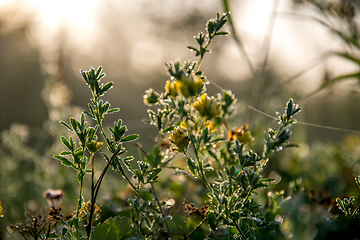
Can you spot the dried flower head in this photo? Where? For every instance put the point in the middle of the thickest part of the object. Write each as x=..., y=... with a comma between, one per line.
x=190, y=209
x=54, y=197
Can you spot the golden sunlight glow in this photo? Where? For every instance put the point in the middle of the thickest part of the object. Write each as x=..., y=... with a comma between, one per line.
x=51, y=15
x=55, y=11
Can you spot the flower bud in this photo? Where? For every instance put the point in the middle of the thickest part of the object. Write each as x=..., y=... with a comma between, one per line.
x=94, y=146
x=151, y=97
x=180, y=138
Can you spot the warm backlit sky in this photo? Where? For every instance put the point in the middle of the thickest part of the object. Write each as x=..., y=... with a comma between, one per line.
x=293, y=41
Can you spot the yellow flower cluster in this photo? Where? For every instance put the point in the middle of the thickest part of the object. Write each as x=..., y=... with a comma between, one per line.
x=207, y=107
x=242, y=134
x=199, y=124
x=187, y=86
x=180, y=138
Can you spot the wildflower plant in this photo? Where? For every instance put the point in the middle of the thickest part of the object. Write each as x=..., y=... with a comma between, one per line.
x=81, y=158
x=196, y=125
x=192, y=126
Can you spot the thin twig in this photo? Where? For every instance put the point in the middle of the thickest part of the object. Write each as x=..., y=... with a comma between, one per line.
x=197, y=227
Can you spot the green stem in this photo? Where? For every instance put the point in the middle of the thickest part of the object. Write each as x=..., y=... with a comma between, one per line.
x=92, y=206
x=129, y=181
x=239, y=230
x=80, y=198
x=161, y=211
x=196, y=227
x=98, y=120
x=211, y=232
x=210, y=37
x=201, y=171
x=99, y=123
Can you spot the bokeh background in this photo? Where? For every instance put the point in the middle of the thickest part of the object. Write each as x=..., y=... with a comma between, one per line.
x=44, y=44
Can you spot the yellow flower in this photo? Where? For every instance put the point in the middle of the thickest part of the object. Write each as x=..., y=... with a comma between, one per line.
x=189, y=85
x=180, y=138
x=210, y=125
x=242, y=134
x=207, y=107
x=197, y=84
x=170, y=88
x=183, y=88
x=198, y=125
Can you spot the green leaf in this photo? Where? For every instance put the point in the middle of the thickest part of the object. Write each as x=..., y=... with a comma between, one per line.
x=64, y=161
x=169, y=129
x=113, y=110
x=107, y=86
x=66, y=143
x=211, y=219
x=65, y=153
x=340, y=205
x=357, y=180
x=64, y=231
x=191, y=165
x=222, y=33
x=154, y=173
x=89, y=114
x=197, y=52
x=54, y=235
x=130, y=138
x=66, y=125
x=73, y=123
x=139, y=175
x=350, y=57
x=146, y=195
x=119, y=228
x=212, y=154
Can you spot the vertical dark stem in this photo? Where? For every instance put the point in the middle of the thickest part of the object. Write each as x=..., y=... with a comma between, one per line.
x=95, y=190
x=92, y=206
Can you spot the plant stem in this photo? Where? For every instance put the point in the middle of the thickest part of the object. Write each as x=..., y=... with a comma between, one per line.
x=161, y=211
x=196, y=227
x=95, y=189
x=129, y=181
x=92, y=206
x=201, y=170
x=240, y=230
x=203, y=53
x=80, y=200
